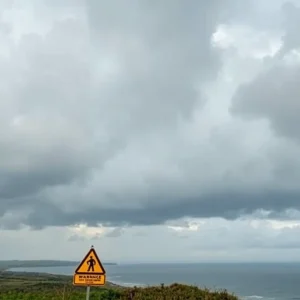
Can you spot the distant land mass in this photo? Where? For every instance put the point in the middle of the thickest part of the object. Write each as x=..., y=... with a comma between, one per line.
x=7, y=264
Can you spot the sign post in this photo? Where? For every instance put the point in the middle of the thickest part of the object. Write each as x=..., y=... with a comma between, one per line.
x=88, y=292
x=90, y=272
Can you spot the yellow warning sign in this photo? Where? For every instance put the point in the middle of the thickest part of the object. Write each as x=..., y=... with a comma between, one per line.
x=86, y=279
x=91, y=264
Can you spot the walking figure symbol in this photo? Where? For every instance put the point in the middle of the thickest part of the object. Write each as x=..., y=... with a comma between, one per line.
x=91, y=262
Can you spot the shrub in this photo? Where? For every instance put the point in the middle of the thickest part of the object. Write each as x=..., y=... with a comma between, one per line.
x=68, y=292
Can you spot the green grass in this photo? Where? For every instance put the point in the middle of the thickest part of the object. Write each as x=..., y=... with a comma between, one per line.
x=33, y=286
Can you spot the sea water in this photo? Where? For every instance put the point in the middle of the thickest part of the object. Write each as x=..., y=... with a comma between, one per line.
x=248, y=281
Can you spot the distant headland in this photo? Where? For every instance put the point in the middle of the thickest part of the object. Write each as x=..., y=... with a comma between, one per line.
x=7, y=264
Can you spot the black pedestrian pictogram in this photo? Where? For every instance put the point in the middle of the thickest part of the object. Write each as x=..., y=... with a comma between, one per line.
x=91, y=262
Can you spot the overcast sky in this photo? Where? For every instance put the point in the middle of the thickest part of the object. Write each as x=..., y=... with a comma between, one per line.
x=154, y=130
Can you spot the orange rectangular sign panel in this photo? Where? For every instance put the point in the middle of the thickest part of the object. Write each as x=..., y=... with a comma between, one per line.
x=89, y=280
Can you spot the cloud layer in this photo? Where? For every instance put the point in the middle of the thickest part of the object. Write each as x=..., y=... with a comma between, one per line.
x=191, y=240
x=146, y=113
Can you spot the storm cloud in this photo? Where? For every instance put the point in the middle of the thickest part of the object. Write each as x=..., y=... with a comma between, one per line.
x=132, y=114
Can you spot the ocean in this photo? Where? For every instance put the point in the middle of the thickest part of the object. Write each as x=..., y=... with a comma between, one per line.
x=248, y=281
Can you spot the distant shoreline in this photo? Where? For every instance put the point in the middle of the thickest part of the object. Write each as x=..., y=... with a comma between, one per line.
x=9, y=264
x=42, y=276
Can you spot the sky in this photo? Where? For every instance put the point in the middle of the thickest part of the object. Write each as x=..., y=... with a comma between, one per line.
x=157, y=131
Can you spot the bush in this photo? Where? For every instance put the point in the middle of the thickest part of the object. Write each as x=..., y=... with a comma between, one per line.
x=69, y=292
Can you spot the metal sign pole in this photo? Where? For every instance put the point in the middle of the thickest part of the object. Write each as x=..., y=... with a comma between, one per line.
x=88, y=292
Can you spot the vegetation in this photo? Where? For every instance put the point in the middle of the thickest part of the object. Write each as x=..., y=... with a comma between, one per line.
x=33, y=286
x=174, y=292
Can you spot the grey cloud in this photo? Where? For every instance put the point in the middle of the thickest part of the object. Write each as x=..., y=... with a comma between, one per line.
x=242, y=235
x=291, y=23
x=76, y=237
x=95, y=237
x=165, y=53
x=80, y=123
x=270, y=15
x=240, y=240
x=116, y=232
x=61, y=121
x=229, y=206
x=52, y=141
x=285, y=239
x=140, y=234
x=94, y=110
x=273, y=96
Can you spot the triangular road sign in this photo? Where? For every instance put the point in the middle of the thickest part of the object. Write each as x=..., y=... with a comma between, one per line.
x=91, y=264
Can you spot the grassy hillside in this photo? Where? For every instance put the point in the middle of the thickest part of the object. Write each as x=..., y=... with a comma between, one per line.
x=33, y=286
